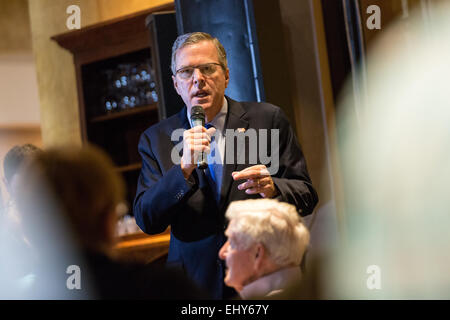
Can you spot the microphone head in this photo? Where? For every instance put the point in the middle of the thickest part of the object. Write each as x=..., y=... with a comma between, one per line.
x=197, y=112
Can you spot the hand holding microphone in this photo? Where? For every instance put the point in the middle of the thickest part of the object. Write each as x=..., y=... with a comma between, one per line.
x=196, y=143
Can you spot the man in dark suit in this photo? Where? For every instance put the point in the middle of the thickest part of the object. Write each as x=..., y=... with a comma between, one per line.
x=173, y=192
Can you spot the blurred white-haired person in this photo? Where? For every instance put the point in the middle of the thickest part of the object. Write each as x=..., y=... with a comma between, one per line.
x=265, y=246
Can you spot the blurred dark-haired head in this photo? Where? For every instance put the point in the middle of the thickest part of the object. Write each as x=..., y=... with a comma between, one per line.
x=78, y=187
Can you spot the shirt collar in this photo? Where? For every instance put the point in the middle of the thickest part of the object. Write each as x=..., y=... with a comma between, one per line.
x=272, y=283
x=219, y=120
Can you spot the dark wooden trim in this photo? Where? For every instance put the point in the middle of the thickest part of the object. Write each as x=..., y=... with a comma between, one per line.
x=111, y=51
x=103, y=33
x=81, y=106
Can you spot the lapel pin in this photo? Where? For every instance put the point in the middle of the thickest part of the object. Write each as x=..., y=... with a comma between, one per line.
x=241, y=130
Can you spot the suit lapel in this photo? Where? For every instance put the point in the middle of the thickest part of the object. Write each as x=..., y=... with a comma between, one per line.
x=234, y=121
x=180, y=122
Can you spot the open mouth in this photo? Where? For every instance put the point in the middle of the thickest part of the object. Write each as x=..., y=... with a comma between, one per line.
x=200, y=94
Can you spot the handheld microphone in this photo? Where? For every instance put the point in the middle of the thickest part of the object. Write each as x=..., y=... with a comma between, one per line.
x=198, y=119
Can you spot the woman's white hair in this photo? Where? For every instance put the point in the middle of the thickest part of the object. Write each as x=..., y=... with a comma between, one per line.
x=276, y=225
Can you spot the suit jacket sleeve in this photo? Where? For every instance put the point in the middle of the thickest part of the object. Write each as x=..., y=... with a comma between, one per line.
x=292, y=179
x=158, y=194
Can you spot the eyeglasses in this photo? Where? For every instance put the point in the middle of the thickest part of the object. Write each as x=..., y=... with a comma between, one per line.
x=206, y=69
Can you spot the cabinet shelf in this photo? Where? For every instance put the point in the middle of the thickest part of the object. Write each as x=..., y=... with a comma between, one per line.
x=124, y=114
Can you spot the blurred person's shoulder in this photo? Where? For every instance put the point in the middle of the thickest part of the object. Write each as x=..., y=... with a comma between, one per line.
x=124, y=280
x=167, y=283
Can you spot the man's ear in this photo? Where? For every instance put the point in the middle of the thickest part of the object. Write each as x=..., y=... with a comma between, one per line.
x=259, y=255
x=227, y=77
x=175, y=84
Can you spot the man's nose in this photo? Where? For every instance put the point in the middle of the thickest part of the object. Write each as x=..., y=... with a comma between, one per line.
x=198, y=77
x=223, y=251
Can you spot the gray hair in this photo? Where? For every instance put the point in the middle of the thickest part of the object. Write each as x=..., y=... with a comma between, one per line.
x=188, y=39
x=276, y=225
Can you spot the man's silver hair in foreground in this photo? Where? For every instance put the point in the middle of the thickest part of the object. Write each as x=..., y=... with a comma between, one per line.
x=276, y=225
x=195, y=37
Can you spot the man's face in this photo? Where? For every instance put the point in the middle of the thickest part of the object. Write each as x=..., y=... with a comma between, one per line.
x=200, y=89
x=240, y=264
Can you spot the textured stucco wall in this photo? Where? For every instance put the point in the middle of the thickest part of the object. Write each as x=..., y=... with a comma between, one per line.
x=55, y=69
x=313, y=109
x=19, y=103
x=15, y=30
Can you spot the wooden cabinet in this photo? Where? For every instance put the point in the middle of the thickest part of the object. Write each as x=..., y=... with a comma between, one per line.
x=115, y=63
x=121, y=80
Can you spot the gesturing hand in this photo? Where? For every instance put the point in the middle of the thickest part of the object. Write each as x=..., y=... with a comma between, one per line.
x=258, y=181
